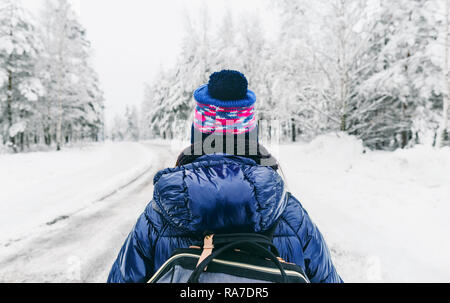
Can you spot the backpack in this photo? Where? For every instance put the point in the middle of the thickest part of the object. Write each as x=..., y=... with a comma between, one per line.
x=232, y=258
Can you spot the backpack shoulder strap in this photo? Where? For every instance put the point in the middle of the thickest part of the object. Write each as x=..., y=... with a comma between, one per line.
x=271, y=232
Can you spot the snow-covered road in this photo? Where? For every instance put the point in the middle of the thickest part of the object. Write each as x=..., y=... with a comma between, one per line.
x=37, y=188
x=82, y=247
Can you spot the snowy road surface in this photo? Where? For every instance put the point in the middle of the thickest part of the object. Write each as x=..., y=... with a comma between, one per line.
x=40, y=187
x=384, y=215
x=82, y=247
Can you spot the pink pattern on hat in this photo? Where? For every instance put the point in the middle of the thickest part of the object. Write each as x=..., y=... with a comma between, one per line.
x=209, y=119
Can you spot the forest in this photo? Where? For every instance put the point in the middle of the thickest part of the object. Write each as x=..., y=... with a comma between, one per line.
x=49, y=92
x=377, y=70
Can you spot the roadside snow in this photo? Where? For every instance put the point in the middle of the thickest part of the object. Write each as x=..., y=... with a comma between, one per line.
x=39, y=188
x=384, y=214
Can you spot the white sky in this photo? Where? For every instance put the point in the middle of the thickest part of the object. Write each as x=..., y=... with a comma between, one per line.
x=131, y=39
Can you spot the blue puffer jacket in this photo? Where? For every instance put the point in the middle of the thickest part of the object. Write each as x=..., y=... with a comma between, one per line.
x=220, y=194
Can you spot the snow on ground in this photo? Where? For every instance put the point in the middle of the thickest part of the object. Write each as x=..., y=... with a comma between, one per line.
x=39, y=188
x=384, y=214
x=83, y=247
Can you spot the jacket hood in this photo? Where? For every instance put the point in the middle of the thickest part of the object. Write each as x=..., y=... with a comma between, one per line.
x=220, y=194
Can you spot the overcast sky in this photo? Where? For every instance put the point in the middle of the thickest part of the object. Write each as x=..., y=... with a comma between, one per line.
x=131, y=39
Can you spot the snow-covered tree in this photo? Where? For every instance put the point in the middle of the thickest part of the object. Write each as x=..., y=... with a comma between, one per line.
x=74, y=99
x=118, y=128
x=20, y=88
x=293, y=69
x=132, y=124
x=324, y=57
x=444, y=136
x=402, y=93
x=126, y=127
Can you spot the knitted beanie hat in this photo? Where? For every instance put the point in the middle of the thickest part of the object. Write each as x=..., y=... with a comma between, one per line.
x=225, y=106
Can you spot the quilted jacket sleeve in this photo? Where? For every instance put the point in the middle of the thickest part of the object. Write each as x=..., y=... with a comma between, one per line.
x=135, y=261
x=317, y=256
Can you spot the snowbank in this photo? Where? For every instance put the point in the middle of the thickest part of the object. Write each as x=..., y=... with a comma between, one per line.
x=383, y=213
x=37, y=188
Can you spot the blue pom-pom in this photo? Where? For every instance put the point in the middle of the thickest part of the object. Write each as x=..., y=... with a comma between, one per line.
x=228, y=85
